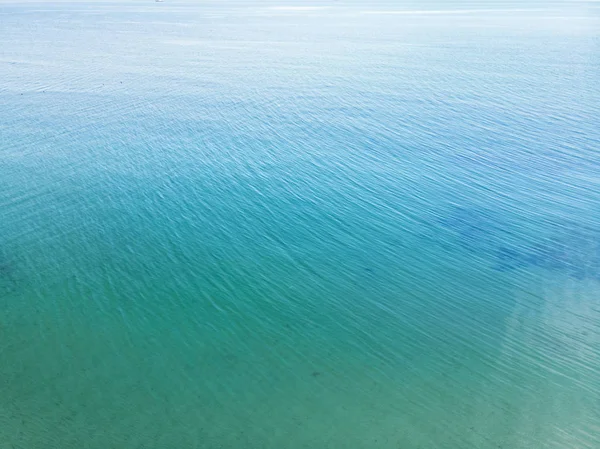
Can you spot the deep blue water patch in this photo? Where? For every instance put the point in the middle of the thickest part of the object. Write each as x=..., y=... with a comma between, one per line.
x=569, y=249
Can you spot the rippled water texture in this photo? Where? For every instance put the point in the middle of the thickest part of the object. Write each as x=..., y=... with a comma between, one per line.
x=243, y=225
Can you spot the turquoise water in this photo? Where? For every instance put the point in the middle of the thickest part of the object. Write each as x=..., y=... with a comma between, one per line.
x=253, y=225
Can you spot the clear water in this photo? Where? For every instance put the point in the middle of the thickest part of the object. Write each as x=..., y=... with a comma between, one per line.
x=251, y=225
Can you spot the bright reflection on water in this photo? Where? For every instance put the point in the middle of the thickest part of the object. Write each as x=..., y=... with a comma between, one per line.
x=259, y=225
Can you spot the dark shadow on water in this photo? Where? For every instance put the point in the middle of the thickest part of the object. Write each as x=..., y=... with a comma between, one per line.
x=474, y=227
x=570, y=249
x=508, y=259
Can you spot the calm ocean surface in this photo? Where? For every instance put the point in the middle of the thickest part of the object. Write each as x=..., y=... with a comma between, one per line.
x=258, y=225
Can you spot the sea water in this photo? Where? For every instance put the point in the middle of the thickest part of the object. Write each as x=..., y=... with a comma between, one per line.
x=300, y=225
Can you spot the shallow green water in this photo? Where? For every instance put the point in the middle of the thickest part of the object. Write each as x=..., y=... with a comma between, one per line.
x=248, y=226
